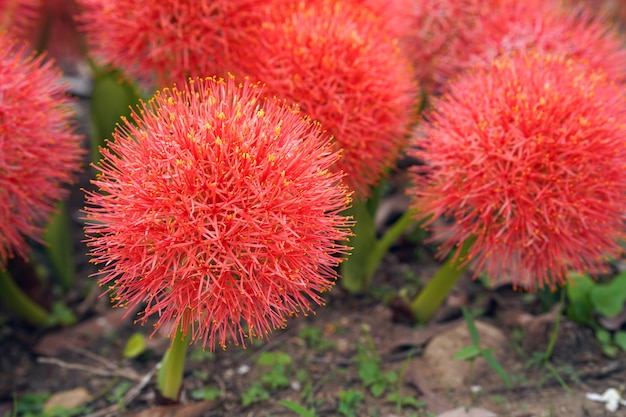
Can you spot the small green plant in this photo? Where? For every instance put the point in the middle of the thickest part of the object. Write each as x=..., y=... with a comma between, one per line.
x=299, y=409
x=279, y=364
x=206, y=393
x=256, y=393
x=471, y=352
x=370, y=371
x=349, y=400
x=313, y=336
x=588, y=298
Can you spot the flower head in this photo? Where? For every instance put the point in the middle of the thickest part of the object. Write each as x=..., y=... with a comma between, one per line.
x=528, y=156
x=163, y=42
x=17, y=16
x=339, y=63
x=454, y=36
x=217, y=209
x=39, y=153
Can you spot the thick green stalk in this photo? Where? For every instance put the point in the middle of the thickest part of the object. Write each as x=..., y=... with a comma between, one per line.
x=14, y=298
x=382, y=246
x=170, y=377
x=59, y=245
x=437, y=289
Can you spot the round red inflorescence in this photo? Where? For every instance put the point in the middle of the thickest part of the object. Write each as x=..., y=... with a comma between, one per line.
x=39, y=153
x=454, y=36
x=217, y=210
x=165, y=42
x=527, y=155
x=340, y=63
x=18, y=16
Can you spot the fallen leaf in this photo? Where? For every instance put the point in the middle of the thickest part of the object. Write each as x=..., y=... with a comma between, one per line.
x=468, y=412
x=68, y=399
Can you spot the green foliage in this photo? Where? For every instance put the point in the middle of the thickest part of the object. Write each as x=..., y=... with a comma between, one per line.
x=279, y=364
x=471, y=352
x=349, y=400
x=256, y=393
x=299, y=409
x=313, y=336
x=371, y=373
x=31, y=405
x=588, y=298
x=135, y=346
x=206, y=393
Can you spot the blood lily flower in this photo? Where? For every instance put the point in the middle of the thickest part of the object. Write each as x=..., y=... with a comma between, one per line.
x=164, y=42
x=39, y=152
x=218, y=211
x=339, y=62
x=17, y=16
x=527, y=157
x=454, y=36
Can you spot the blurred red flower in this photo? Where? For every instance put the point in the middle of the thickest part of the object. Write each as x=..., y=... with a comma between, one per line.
x=340, y=63
x=165, y=42
x=17, y=16
x=527, y=155
x=39, y=153
x=454, y=36
x=217, y=209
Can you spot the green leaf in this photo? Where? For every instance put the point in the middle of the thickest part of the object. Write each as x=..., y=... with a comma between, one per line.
x=135, y=346
x=59, y=245
x=297, y=408
x=580, y=308
x=378, y=389
x=620, y=339
x=62, y=314
x=609, y=299
x=495, y=365
x=471, y=326
x=274, y=358
x=206, y=393
x=467, y=353
x=369, y=372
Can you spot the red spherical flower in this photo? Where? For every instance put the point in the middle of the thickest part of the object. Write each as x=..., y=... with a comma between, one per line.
x=162, y=42
x=527, y=155
x=39, y=153
x=218, y=211
x=17, y=16
x=545, y=28
x=339, y=63
x=454, y=36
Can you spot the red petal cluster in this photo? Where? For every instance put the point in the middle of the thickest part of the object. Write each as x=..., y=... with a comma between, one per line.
x=218, y=211
x=39, y=153
x=527, y=155
x=17, y=16
x=338, y=61
x=166, y=41
x=454, y=36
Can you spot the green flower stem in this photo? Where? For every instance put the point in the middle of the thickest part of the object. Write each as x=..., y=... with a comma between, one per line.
x=14, y=298
x=170, y=377
x=435, y=292
x=58, y=237
x=381, y=247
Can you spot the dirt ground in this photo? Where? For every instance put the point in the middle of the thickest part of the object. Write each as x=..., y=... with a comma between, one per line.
x=86, y=362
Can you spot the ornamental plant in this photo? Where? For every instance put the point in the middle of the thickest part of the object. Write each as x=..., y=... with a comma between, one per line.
x=17, y=16
x=338, y=61
x=165, y=42
x=525, y=160
x=341, y=63
x=455, y=36
x=39, y=156
x=217, y=215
